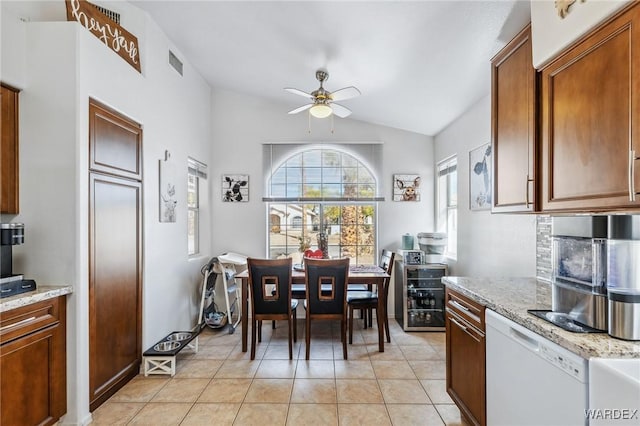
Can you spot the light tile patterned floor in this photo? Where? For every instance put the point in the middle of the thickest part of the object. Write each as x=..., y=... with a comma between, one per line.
x=220, y=385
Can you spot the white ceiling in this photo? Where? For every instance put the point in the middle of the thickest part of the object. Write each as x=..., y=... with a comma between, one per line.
x=418, y=64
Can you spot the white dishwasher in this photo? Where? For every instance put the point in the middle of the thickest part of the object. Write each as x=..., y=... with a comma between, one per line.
x=531, y=380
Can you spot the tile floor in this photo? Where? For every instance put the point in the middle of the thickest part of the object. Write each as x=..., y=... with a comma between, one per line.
x=220, y=385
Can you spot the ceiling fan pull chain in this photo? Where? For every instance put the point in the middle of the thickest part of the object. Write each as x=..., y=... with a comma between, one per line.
x=309, y=116
x=331, y=123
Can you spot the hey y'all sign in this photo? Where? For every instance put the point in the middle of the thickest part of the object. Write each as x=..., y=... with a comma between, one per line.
x=108, y=31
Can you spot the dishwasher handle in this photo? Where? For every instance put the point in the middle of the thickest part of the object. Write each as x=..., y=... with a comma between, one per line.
x=526, y=341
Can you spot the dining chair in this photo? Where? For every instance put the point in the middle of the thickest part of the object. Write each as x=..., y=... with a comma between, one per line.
x=368, y=300
x=270, y=292
x=326, y=297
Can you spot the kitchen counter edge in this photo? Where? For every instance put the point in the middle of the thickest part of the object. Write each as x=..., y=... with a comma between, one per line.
x=511, y=297
x=41, y=293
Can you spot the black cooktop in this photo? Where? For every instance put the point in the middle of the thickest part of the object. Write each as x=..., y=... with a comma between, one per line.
x=563, y=321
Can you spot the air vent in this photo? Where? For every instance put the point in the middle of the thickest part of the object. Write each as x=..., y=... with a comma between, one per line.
x=175, y=62
x=115, y=17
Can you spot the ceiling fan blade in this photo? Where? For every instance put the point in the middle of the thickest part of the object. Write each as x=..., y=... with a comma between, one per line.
x=340, y=111
x=300, y=109
x=345, y=93
x=298, y=92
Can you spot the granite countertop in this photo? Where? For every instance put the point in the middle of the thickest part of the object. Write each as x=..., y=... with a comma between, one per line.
x=511, y=297
x=41, y=293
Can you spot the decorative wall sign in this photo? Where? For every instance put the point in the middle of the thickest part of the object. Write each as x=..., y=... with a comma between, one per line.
x=106, y=30
x=563, y=7
x=406, y=188
x=168, y=200
x=235, y=188
x=480, y=194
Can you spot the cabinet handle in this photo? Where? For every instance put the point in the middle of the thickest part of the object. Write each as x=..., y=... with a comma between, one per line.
x=527, y=202
x=464, y=328
x=453, y=320
x=459, y=305
x=632, y=189
x=24, y=321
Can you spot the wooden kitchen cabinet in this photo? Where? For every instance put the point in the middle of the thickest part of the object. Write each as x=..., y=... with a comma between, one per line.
x=9, y=151
x=115, y=251
x=465, y=336
x=33, y=363
x=590, y=111
x=514, y=126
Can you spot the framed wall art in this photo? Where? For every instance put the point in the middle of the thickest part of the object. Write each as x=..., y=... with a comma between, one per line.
x=168, y=201
x=480, y=177
x=235, y=188
x=406, y=187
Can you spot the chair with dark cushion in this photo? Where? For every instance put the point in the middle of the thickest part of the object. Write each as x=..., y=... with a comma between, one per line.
x=368, y=300
x=326, y=297
x=270, y=290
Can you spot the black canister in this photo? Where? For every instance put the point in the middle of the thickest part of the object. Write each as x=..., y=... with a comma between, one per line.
x=11, y=234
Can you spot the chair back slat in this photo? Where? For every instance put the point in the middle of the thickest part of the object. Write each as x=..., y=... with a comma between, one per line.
x=326, y=285
x=270, y=285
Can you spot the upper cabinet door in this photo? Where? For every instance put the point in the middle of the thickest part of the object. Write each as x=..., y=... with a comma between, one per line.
x=9, y=188
x=115, y=144
x=513, y=126
x=590, y=119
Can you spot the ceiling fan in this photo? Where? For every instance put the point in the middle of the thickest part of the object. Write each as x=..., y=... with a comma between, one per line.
x=323, y=102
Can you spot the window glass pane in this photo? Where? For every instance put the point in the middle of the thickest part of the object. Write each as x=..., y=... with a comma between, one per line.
x=293, y=190
x=312, y=175
x=311, y=158
x=332, y=175
x=453, y=188
x=279, y=176
x=349, y=161
x=312, y=190
x=331, y=159
x=366, y=191
x=350, y=174
x=294, y=175
x=332, y=190
x=192, y=232
x=192, y=191
x=364, y=176
x=295, y=161
x=278, y=190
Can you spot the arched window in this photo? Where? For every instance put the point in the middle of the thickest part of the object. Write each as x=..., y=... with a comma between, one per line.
x=323, y=190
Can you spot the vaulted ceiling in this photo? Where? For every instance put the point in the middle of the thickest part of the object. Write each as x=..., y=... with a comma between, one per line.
x=418, y=64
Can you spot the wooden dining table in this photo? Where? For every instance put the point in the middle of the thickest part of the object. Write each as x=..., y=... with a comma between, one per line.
x=371, y=275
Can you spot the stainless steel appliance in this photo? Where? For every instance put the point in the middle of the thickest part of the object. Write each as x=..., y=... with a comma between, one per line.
x=579, y=296
x=623, y=277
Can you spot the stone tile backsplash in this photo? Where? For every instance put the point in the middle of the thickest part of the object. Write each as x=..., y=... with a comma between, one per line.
x=543, y=247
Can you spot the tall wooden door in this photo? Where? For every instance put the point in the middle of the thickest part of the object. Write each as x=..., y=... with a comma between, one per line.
x=115, y=252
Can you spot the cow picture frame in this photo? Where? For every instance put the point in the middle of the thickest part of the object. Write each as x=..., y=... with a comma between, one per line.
x=406, y=187
x=235, y=188
x=480, y=178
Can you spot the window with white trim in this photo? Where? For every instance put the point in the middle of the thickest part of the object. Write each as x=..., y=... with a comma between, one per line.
x=196, y=171
x=447, y=204
x=322, y=190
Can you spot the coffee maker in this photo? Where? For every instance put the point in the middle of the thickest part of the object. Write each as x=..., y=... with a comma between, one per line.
x=11, y=234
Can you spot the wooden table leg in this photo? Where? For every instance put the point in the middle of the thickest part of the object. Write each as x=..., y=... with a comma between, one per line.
x=245, y=317
x=380, y=314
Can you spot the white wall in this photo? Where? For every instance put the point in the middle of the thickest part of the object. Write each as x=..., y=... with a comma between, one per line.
x=550, y=34
x=488, y=244
x=240, y=124
x=64, y=67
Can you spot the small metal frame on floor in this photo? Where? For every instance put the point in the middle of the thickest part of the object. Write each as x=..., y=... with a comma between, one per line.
x=161, y=357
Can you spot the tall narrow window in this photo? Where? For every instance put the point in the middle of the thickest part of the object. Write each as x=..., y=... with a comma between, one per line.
x=322, y=190
x=196, y=172
x=447, y=205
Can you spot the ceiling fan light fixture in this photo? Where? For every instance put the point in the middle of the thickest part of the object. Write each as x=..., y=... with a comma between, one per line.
x=321, y=110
